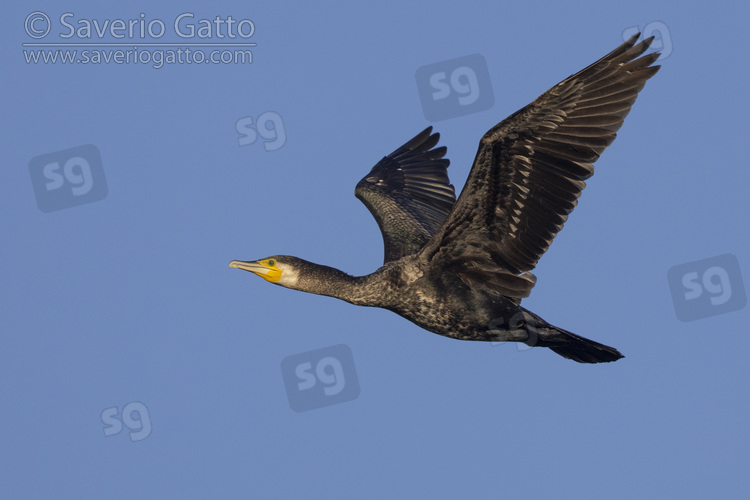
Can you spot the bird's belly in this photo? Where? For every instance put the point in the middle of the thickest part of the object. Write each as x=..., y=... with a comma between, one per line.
x=467, y=318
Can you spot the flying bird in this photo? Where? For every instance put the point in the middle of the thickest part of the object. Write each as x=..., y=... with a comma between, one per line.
x=460, y=268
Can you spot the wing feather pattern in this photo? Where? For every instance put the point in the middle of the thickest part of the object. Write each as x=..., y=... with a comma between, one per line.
x=409, y=194
x=530, y=170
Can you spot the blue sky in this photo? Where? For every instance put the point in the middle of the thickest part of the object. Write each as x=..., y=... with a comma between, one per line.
x=135, y=364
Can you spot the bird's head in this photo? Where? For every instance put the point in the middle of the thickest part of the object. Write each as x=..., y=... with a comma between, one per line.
x=279, y=269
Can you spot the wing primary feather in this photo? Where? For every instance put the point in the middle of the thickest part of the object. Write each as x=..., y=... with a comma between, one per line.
x=409, y=194
x=529, y=170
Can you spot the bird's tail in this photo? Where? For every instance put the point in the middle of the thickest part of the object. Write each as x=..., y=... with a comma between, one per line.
x=572, y=346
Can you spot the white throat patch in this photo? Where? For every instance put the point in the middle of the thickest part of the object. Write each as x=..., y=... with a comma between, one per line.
x=289, y=275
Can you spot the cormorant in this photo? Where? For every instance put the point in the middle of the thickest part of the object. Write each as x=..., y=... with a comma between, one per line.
x=460, y=268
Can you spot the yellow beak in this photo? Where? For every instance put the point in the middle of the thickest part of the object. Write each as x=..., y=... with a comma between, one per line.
x=260, y=267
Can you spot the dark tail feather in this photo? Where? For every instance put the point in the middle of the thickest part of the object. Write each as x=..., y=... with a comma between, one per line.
x=572, y=346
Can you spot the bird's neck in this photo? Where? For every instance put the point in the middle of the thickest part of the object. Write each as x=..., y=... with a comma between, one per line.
x=369, y=290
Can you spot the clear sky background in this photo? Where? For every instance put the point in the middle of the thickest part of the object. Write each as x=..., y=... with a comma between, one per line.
x=135, y=364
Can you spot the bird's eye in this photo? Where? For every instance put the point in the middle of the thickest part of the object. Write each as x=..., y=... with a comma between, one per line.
x=271, y=262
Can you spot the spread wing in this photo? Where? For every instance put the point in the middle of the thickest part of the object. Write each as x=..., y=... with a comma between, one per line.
x=530, y=170
x=409, y=194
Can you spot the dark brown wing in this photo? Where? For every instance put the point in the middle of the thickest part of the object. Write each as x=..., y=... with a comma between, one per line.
x=409, y=194
x=529, y=172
